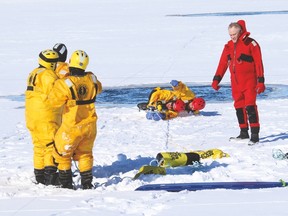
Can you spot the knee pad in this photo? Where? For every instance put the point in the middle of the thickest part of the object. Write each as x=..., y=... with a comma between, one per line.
x=252, y=114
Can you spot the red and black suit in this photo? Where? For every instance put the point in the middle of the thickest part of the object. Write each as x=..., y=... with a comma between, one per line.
x=247, y=77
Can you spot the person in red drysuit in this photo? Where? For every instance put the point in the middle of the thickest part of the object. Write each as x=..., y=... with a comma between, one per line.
x=242, y=55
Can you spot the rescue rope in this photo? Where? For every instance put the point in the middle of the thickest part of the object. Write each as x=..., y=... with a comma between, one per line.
x=167, y=135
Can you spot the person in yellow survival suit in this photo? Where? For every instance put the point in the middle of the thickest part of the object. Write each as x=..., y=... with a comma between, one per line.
x=193, y=103
x=163, y=104
x=41, y=120
x=62, y=68
x=182, y=91
x=76, y=135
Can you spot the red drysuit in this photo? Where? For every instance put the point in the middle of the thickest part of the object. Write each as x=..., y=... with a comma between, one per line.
x=247, y=76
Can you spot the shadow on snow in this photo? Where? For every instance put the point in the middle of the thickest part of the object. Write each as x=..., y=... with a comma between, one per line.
x=122, y=166
x=113, y=171
x=273, y=138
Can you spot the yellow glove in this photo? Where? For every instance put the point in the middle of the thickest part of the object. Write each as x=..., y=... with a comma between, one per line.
x=159, y=106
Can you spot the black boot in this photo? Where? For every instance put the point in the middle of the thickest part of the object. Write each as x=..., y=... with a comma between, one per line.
x=39, y=176
x=243, y=134
x=65, y=179
x=254, y=136
x=254, y=139
x=86, y=179
x=51, y=176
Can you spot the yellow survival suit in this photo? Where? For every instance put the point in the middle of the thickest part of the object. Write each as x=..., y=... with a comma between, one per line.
x=166, y=103
x=182, y=91
x=42, y=120
x=76, y=135
x=157, y=101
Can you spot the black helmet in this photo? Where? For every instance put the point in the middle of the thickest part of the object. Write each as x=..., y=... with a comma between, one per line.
x=61, y=49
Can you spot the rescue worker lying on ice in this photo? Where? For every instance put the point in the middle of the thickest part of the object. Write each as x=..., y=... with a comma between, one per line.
x=76, y=135
x=183, y=92
x=166, y=104
x=165, y=110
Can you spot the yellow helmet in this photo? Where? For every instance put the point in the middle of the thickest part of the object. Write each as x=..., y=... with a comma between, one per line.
x=79, y=59
x=48, y=59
